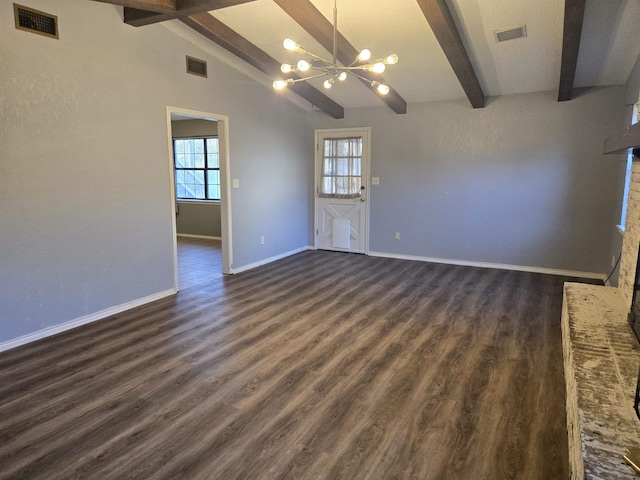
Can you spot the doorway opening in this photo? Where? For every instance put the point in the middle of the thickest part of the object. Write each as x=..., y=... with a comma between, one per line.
x=200, y=200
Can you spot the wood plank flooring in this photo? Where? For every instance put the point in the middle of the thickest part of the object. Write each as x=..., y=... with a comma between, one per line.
x=319, y=366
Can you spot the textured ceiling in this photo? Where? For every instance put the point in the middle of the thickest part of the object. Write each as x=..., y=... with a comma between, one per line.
x=608, y=50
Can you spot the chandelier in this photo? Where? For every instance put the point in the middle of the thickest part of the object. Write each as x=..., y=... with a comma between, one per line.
x=319, y=67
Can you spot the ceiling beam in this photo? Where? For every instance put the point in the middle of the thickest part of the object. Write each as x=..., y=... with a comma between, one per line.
x=139, y=16
x=573, y=19
x=441, y=22
x=218, y=32
x=310, y=18
x=150, y=5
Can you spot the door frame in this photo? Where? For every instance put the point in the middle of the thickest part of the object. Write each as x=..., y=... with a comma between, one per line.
x=366, y=159
x=225, y=193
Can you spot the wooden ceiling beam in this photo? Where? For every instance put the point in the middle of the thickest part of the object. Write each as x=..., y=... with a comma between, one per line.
x=161, y=6
x=573, y=19
x=310, y=18
x=139, y=17
x=218, y=32
x=441, y=21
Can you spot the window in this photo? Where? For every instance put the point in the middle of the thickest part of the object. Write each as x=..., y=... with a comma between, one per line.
x=627, y=178
x=197, y=168
x=341, y=167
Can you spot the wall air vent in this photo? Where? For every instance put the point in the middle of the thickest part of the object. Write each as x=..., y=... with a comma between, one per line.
x=196, y=67
x=35, y=21
x=511, y=34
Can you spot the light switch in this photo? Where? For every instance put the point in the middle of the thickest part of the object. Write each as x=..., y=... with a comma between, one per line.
x=375, y=180
x=236, y=183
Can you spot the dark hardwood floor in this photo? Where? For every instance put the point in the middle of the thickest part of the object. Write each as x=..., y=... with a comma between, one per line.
x=319, y=366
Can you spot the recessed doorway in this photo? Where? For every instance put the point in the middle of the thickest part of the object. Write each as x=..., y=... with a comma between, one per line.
x=194, y=250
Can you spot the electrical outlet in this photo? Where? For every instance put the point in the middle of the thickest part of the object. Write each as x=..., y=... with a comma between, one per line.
x=397, y=235
x=262, y=240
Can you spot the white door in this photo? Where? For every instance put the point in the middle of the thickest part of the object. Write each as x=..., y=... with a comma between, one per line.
x=342, y=199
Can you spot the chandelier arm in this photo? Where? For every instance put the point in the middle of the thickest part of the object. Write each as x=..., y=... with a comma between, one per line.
x=359, y=76
x=351, y=69
x=304, y=79
x=384, y=59
x=316, y=57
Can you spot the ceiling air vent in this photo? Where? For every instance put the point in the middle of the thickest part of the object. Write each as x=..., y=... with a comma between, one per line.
x=196, y=67
x=511, y=34
x=35, y=21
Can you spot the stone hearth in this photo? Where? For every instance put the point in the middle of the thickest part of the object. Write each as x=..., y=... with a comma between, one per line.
x=601, y=361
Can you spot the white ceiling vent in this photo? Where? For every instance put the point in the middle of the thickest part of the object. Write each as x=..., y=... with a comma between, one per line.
x=196, y=67
x=511, y=34
x=35, y=21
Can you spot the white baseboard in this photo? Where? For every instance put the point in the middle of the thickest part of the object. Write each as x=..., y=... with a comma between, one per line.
x=499, y=266
x=259, y=263
x=94, y=317
x=208, y=237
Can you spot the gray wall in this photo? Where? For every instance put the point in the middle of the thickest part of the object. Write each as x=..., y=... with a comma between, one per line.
x=194, y=128
x=521, y=182
x=85, y=204
x=197, y=218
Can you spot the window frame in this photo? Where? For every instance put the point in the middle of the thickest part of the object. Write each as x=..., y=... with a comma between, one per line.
x=204, y=169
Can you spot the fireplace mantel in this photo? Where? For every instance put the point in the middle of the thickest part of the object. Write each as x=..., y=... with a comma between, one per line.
x=625, y=141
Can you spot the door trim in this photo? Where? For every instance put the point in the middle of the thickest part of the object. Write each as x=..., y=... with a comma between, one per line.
x=225, y=192
x=346, y=132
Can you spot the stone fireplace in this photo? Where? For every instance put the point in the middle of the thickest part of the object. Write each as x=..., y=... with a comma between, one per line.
x=631, y=238
x=601, y=361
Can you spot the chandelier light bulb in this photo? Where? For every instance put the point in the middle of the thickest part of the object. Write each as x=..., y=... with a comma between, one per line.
x=391, y=60
x=381, y=88
x=377, y=67
x=286, y=68
x=364, y=55
x=303, y=65
x=289, y=44
x=342, y=77
x=280, y=84
x=328, y=83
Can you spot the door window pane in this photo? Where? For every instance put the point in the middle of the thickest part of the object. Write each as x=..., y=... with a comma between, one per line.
x=342, y=167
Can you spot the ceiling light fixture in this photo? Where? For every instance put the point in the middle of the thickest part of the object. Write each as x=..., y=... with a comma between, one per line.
x=332, y=69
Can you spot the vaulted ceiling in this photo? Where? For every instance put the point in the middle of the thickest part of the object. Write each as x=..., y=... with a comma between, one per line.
x=447, y=48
